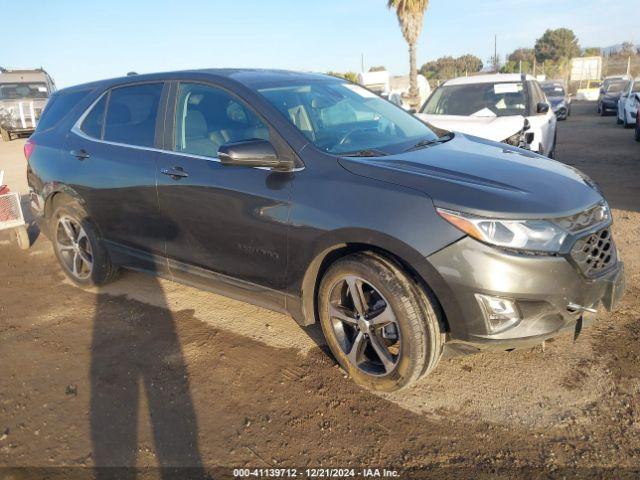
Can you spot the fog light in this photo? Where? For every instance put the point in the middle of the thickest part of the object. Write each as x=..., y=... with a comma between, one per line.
x=499, y=313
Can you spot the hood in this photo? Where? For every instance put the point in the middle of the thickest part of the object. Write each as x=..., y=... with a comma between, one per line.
x=555, y=100
x=484, y=178
x=491, y=127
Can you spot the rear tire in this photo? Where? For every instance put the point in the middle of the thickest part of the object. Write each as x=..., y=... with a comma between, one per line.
x=79, y=248
x=397, y=340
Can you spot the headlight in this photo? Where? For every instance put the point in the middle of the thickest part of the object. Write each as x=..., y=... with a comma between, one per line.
x=531, y=235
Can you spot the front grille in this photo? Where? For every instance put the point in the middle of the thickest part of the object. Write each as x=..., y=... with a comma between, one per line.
x=595, y=253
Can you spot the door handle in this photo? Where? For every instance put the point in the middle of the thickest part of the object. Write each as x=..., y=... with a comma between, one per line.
x=175, y=172
x=80, y=154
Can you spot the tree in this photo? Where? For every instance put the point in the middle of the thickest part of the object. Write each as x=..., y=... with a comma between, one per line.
x=410, y=15
x=522, y=55
x=351, y=76
x=628, y=50
x=379, y=68
x=557, y=44
x=468, y=64
x=494, y=62
x=448, y=67
x=592, y=52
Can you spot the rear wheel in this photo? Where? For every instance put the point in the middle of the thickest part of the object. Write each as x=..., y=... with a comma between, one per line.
x=380, y=325
x=79, y=249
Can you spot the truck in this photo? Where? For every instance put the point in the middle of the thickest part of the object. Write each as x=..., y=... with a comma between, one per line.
x=23, y=96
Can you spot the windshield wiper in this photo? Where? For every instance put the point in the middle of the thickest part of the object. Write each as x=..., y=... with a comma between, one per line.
x=429, y=142
x=367, y=152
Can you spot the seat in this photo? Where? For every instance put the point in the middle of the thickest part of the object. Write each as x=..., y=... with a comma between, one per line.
x=197, y=140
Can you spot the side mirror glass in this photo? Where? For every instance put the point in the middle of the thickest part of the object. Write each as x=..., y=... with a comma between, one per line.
x=542, y=107
x=250, y=153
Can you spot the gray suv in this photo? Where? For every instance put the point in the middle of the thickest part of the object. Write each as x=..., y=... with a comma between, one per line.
x=23, y=96
x=313, y=196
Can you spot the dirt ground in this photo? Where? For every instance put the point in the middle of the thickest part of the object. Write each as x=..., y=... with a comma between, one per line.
x=147, y=372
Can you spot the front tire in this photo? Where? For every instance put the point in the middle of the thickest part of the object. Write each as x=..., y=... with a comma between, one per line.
x=79, y=249
x=380, y=325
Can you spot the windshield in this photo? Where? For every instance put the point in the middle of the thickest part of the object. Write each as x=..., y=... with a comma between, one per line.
x=616, y=87
x=16, y=91
x=553, y=90
x=478, y=99
x=342, y=117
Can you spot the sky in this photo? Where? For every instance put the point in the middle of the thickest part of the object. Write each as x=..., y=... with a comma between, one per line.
x=78, y=41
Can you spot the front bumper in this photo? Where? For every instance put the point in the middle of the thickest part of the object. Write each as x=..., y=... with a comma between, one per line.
x=542, y=286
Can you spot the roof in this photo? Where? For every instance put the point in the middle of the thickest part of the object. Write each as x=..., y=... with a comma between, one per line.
x=489, y=78
x=22, y=75
x=251, y=77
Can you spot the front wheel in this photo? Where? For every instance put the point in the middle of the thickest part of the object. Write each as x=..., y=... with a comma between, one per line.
x=381, y=326
x=79, y=249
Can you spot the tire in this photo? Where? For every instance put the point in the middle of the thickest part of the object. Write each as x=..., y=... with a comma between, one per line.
x=603, y=111
x=406, y=325
x=21, y=236
x=6, y=136
x=637, y=130
x=600, y=109
x=84, y=260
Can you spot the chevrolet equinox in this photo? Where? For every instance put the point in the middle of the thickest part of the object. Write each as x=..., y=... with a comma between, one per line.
x=312, y=196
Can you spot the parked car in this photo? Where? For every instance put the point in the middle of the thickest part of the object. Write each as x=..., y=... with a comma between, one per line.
x=23, y=95
x=313, y=196
x=558, y=98
x=609, y=95
x=495, y=107
x=637, y=116
x=627, y=104
x=590, y=92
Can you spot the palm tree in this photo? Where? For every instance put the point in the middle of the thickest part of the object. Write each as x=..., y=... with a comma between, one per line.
x=410, y=15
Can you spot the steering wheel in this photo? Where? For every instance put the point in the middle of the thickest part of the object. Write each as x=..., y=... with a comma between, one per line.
x=347, y=135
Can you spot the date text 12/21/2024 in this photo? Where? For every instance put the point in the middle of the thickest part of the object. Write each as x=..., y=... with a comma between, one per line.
x=315, y=473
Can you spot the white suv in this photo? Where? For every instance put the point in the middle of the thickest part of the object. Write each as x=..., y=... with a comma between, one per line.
x=628, y=103
x=495, y=107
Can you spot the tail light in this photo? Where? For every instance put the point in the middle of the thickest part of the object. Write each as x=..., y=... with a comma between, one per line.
x=28, y=149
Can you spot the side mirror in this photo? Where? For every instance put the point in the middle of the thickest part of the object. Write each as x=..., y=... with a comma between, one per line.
x=542, y=107
x=250, y=153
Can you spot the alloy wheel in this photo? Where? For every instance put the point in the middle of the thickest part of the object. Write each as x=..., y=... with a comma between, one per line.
x=74, y=247
x=364, y=325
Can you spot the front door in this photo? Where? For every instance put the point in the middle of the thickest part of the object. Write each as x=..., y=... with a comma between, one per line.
x=226, y=220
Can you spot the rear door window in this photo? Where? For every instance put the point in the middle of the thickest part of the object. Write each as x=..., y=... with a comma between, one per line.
x=132, y=113
x=94, y=121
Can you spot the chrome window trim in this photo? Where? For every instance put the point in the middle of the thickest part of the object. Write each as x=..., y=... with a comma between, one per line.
x=77, y=130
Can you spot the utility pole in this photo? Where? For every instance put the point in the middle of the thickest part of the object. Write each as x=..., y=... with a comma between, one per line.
x=495, y=52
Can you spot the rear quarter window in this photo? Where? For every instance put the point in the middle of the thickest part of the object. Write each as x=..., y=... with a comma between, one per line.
x=58, y=107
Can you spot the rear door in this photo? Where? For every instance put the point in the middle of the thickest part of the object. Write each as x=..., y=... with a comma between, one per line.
x=227, y=219
x=113, y=156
